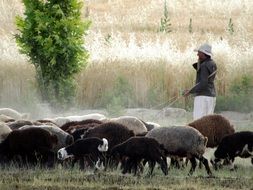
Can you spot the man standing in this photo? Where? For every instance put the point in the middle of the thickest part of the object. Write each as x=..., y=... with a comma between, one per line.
x=204, y=90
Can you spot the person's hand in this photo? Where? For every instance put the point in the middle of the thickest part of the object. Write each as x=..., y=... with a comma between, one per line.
x=186, y=93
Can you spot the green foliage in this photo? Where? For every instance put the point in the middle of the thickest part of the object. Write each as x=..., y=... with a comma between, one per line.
x=165, y=25
x=51, y=35
x=119, y=97
x=155, y=96
x=239, y=98
x=190, y=26
x=108, y=39
x=244, y=86
x=231, y=27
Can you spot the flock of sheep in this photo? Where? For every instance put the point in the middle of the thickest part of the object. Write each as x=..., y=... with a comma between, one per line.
x=99, y=142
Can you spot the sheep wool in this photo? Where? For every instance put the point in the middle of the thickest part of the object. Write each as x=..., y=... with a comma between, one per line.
x=215, y=127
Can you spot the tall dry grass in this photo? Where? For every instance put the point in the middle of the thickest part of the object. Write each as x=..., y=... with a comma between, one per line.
x=123, y=42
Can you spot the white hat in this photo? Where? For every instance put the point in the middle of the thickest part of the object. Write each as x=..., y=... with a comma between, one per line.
x=206, y=49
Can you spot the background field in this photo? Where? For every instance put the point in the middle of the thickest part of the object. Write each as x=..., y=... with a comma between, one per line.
x=130, y=61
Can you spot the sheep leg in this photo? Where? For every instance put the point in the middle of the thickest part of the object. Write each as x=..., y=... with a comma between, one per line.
x=205, y=162
x=135, y=166
x=163, y=164
x=193, y=165
x=141, y=167
x=164, y=158
x=200, y=165
x=127, y=166
x=151, y=167
x=74, y=161
x=81, y=163
x=47, y=156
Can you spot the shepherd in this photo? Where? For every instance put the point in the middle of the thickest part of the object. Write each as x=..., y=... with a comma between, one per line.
x=204, y=89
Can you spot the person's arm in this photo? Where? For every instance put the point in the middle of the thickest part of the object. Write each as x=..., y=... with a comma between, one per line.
x=204, y=73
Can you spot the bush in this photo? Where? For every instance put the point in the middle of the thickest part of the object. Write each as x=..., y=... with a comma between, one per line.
x=118, y=98
x=51, y=35
x=239, y=98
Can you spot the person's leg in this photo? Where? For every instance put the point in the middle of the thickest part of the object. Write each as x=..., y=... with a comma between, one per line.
x=199, y=109
x=211, y=102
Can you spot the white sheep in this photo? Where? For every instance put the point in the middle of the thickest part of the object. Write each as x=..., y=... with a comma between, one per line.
x=5, y=118
x=13, y=113
x=4, y=131
x=132, y=123
x=62, y=120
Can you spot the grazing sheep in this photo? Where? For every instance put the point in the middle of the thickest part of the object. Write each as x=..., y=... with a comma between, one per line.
x=151, y=125
x=71, y=129
x=78, y=133
x=84, y=147
x=5, y=118
x=132, y=123
x=215, y=127
x=115, y=133
x=19, y=123
x=138, y=148
x=182, y=141
x=73, y=124
x=238, y=144
x=4, y=131
x=29, y=143
x=60, y=121
x=64, y=139
x=13, y=113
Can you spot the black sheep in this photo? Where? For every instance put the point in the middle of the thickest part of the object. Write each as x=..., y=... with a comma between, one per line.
x=29, y=143
x=139, y=148
x=84, y=147
x=238, y=144
x=78, y=133
x=115, y=133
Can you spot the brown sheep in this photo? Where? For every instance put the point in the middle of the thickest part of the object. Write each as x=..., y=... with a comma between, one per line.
x=71, y=125
x=214, y=127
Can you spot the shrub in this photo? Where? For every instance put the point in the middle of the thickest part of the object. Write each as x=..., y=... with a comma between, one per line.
x=165, y=25
x=239, y=98
x=51, y=35
x=118, y=98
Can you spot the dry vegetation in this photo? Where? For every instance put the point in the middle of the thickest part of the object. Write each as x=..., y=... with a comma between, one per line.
x=124, y=41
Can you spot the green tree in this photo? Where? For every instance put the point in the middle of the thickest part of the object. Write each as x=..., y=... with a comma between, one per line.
x=165, y=25
x=51, y=35
x=230, y=27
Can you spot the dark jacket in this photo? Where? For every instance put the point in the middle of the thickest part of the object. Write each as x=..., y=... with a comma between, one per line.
x=204, y=83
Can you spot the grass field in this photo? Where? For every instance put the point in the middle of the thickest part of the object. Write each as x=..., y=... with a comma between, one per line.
x=13, y=178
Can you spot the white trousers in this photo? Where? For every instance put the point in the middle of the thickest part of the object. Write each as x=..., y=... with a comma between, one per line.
x=203, y=105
